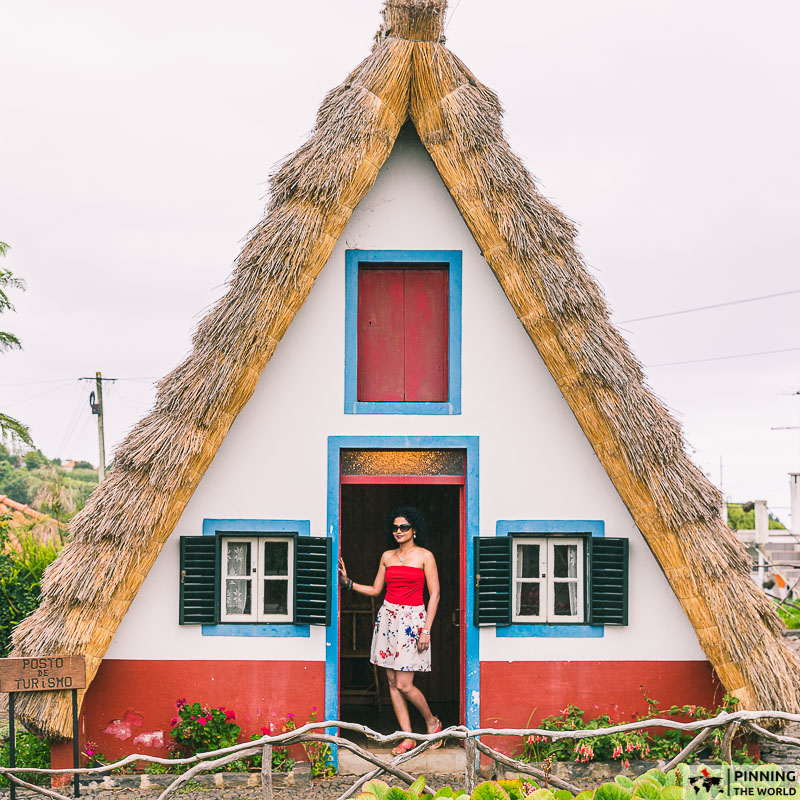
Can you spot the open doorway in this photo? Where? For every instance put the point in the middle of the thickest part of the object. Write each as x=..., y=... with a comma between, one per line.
x=364, y=508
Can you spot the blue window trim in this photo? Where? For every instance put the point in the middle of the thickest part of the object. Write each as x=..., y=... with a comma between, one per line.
x=507, y=527
x=352, y=259
x=211, y=527
x=469, y=443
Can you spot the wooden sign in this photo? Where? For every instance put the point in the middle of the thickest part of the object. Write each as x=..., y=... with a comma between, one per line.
x=42, y=674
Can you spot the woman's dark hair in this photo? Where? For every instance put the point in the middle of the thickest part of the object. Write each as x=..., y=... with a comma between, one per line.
x=416, y=520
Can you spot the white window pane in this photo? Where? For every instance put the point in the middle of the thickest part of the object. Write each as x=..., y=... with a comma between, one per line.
x=276, y=597
x=238, y=558
x=565, y=561
x=528, y=561
x=237, y=596
x=528, y=599
x=276, y=558
x=565, y=598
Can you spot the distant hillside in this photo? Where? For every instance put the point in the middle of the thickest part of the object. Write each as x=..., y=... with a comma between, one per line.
x=741, y=520
x=40, y=482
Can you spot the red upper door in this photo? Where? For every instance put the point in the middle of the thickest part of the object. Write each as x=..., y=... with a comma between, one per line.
x=402, y=333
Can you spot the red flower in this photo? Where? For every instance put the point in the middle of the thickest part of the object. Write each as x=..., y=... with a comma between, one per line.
x=181, y=702
x=202, y=720
x=265, y=730
x=230, y=714
x=174, y=721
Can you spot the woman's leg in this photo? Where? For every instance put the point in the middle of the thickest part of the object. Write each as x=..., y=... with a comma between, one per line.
x=404, y=682
x=398, y=701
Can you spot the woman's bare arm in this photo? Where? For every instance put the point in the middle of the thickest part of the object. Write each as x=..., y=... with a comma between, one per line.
x=432, y=579
x=366, y=589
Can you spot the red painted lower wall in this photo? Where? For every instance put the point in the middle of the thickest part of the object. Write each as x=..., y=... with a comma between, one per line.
x=130, y=704
x=519, y=694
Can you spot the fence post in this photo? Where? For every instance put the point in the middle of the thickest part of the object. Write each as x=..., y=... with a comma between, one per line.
x=472, y=757
x=266, y=772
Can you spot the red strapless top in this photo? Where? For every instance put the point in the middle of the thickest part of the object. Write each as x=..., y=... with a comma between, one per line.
x=404, y=585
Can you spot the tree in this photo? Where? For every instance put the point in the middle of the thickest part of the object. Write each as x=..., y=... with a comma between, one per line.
x=9, y=426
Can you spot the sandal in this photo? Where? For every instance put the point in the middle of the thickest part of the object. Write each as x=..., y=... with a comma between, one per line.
x=437, y=745
x=404, y=747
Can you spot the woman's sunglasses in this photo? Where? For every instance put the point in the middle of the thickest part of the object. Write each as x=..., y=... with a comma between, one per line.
x=405, y=527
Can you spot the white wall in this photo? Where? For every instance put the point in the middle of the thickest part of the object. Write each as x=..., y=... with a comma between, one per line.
x=535, y=462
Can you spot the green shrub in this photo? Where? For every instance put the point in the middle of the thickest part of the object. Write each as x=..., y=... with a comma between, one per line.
x=20, y=578
x=30, y=752
x=199, y=729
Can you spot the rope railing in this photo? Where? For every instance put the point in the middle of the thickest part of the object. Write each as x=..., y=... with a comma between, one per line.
x=314, y=732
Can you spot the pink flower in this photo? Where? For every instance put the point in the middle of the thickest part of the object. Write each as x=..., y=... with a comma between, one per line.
x=202, y=720
x=174, y=721
x=314, y=709
x=192, y=718
x=265, y=730
x=290, y=715
x=181, y=702
x=89, y=751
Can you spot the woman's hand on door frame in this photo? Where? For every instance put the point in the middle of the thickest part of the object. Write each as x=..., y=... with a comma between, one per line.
x=342, y=573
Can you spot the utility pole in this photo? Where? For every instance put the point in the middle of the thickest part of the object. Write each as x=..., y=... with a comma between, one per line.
x=101, y=469
x=96, y=405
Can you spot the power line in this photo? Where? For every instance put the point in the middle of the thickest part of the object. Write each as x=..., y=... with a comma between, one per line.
x=723, y=358
x=706, y=308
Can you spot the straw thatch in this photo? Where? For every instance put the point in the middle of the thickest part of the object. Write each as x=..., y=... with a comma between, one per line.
x=530, y=245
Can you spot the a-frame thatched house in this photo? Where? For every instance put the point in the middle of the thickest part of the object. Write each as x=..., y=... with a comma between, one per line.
x=387, y=283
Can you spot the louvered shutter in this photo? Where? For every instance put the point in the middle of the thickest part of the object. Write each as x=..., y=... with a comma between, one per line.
x=608, y=581
x=312, y=599
x=493, y=580
x=198, y=580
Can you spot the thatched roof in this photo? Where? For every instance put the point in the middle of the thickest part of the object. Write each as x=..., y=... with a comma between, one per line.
x=530, y=245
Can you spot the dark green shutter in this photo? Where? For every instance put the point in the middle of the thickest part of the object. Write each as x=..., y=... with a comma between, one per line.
x=198, y=592
x=312, y=598
x=493, y=580
x=608, y=581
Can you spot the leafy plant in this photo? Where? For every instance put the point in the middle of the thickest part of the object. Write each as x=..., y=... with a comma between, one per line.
x=281, y=760
x=20, y=577
x=30, y=752
x=198, y=729
x=319, y=754
x=639, y=743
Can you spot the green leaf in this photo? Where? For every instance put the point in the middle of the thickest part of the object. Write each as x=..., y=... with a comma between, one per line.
x=376, y=787
x=645, y=788
x=541, y=794
x=396, y=793
x=657, y=776
x=562, y=794
x=490, y=790
x=624, y=781
x=611, y=791
x=514, y=788
x=586, y=794
x=418, y=785
x=672, y=793
x=445, y=791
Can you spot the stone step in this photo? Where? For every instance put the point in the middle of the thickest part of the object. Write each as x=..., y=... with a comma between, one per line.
x=445, y=760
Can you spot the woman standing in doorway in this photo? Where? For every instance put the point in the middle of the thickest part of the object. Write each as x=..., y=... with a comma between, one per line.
x=401, y=641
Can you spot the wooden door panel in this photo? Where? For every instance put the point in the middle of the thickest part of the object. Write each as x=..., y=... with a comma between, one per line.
x=380, y=335
x=426, y=330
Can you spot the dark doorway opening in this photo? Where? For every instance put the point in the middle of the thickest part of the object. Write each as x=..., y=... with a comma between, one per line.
x=364, y=508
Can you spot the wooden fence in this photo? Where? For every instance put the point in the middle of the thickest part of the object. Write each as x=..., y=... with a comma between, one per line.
x=315, y=732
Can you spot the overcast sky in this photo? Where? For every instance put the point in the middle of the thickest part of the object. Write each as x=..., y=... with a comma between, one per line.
x=136, y=138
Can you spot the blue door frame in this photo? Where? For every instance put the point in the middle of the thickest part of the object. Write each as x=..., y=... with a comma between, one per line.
x=467, y=443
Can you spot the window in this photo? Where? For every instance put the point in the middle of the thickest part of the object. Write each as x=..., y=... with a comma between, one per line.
x=257, y=579
x=403, y=332
x=548, y=578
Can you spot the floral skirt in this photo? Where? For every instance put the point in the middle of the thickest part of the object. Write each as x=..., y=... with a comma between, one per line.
x=394, y=640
